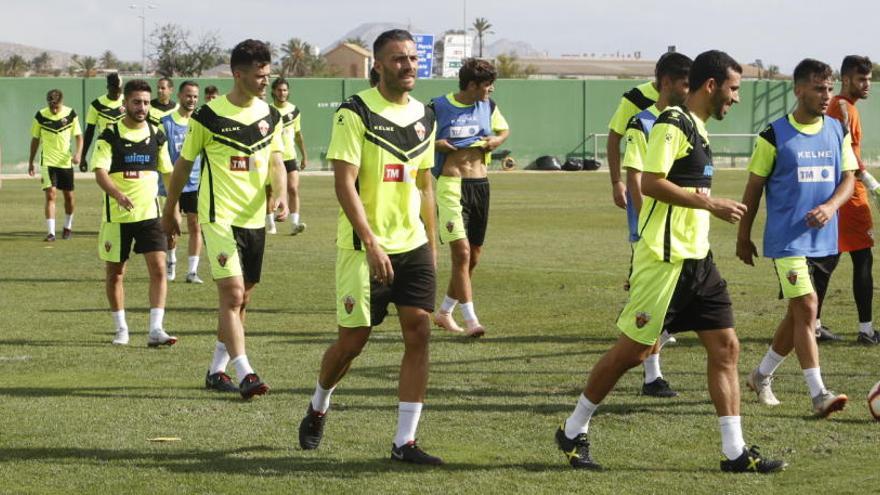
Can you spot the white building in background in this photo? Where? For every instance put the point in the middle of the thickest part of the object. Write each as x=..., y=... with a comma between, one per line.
x=456, y=48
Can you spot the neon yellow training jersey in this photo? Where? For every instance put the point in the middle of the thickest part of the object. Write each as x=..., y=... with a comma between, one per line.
x=159, y=110
x=134, y=158
x=235, y=144
x=55, y=130
x=290, y=117
x=637, y=142
x=389, y=143
x=103, y=111
x=633, y=101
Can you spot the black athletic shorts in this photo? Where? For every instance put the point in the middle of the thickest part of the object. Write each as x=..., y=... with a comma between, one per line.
x=146, y=235
x=414, y=284
x=251, y=245
x=475, y=209
x=59, y=178
x=291, y=165
x=189, y=202
x=700, y=300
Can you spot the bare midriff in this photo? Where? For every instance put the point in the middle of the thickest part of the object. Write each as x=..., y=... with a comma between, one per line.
x=467, y=163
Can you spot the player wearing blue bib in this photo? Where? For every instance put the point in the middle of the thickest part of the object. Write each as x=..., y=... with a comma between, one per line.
x=176, y=125
x=671, y=74
x=469, y=127
x=805, y=162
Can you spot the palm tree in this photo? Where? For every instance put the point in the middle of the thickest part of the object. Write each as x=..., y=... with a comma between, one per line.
x=108, y=60
x=42, y=62
x=482, y=27
x=86, y=64
x=16, y=66
x=296, y=58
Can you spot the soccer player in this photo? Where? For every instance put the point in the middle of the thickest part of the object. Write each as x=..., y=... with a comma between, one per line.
x=51, y=132
x=175, y=126
x=633, y=101
x=128, y=156
x=806, y=162
x=162, y=105
x=103, y=111
x=238, y=136
x=675, y=283
x=211, y=92
x=469, y=127
x=292, y=133
x=855, y=224
x=671, y=78
x=382, y=150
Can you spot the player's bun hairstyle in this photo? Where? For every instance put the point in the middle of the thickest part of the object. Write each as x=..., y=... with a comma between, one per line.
x=712, y=64
x=54, y=95
x=810, y=68
x=857, y=63
x=248, y=53
x=388, y=37
x=188, y=82
x=673, y=65
x=136, y=85
x=113, y=80
x=374, y=77
x=278, y=82
x=211, y=90
x=477, y=71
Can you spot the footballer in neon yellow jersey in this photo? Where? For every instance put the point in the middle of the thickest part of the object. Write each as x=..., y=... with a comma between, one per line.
x=52, y=129
x=104, y=110
x=293, y=138
x=162, y=104
x=633, y=101
x=128, y=158
x=382, y=149
x=238, y=138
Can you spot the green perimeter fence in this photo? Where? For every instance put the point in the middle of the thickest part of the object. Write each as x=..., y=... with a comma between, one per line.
x=547, y=117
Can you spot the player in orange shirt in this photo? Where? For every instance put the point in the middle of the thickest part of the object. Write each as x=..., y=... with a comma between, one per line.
x=855, y=234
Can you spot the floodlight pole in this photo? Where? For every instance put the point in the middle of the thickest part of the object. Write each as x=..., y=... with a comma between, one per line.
x=143, y=8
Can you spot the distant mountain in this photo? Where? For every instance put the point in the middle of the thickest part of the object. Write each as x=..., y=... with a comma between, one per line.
x=369, y=31
x=504, y=46
x=60, y=60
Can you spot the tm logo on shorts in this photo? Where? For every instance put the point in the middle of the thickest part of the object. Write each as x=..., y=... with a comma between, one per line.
x=349, y=304
x=792, y=277
x=393, y=173
x=222, y=258
x=642, y=319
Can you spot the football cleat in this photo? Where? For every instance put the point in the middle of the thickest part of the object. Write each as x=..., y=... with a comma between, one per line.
x=66, y=234
x=220, y=381
x=474, y=329
x=761, y=385
x=298, y=228
x=193, y=278
x=251, y=386
x=828, y=402
x=410, y=452
x=868, y=340
x=49, y=238
x=158, y=337
x=666, y=338
x=121, y=337
x=171, y=271
x=447, y=322
x=658, y=388
x=751, y=462
x=823, y=334
x=576, y=449
x=311, y=429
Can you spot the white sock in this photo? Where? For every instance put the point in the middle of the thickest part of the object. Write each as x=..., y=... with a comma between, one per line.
x=818, y=323
x=652, y=368
x=732, y=442
x=294, y=218
x=408, y=414
x=242, y=367
x=579, y=421
x=867, y=328
x=68, y=221
x=321, y=398
x=270, y=220
x=467, y=311
x=193, y=264
x=221, y=358
x=448, y=304
x=771, y=361
x=813, y=376
x=119, y=319
x=50, y=225
x=156, y=317
x=172, y=255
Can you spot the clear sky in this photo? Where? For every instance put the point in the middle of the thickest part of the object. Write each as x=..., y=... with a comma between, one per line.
x=778, y=32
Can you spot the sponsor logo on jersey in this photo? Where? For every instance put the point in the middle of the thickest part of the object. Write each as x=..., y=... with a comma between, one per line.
x=823, y=173
x=792, y=277
x=349, y=304
x=393, y=173
x=137, y=158
x=239, y=164
x=131, y=174
x=642, y=319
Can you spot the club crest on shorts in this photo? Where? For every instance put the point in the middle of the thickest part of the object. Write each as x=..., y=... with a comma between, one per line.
x=642, y=319
x=450, y=225
x=792, y=277
x=349, y=304
x=420, y=130
x=222, y=258
x=108, y=246
x=264, y=127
